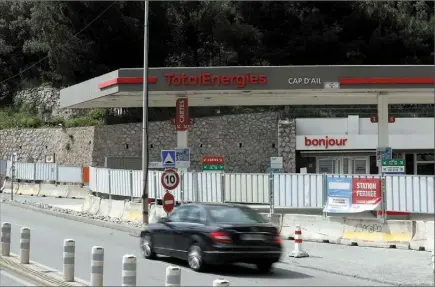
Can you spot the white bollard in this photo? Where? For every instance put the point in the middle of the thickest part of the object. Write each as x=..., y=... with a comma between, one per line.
x=25, y=245
x=129, y=270
x=6, y=238
x=221, y=282
x=69, y=249
x=173, y=276
x=97, y=266
x=298, y=252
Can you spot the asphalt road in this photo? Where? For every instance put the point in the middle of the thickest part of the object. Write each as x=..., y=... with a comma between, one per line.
x=8, y=279
x=48, y=233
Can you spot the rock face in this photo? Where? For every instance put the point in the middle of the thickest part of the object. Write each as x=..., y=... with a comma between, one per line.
x=46, y=98
x=246, y=141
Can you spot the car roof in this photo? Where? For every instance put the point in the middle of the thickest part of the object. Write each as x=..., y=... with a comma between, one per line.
x=211, y=204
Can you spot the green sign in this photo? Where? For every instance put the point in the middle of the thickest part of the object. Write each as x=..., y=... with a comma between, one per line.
x=213, y=167
x=393, y=166
x=393, y=162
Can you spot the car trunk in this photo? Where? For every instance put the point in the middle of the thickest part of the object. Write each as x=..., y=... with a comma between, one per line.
x=250, y=235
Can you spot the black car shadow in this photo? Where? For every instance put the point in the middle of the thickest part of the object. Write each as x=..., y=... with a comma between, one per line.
x=240, y=270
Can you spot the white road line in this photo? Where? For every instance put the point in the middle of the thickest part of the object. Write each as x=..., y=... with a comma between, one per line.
x=15, y=278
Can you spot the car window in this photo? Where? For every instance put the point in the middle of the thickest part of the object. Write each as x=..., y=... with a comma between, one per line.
x=235, y=214
x=179, y=214
x=195, y=215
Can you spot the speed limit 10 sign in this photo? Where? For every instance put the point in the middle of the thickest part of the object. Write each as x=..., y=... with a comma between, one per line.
x=170, y=179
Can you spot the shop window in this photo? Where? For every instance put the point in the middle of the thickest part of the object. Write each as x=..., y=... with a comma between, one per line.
x=326, y=166
x=425, y=168
x=425, y=157
x=359, y=166
x=346, y=166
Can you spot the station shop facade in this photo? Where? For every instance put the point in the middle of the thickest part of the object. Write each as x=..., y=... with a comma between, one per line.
x=348, y=145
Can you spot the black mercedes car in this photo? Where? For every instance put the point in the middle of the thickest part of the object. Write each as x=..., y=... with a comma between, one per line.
x=208, y=234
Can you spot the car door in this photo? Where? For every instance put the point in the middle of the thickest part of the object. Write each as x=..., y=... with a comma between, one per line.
x=164, y=237
x=183, y=231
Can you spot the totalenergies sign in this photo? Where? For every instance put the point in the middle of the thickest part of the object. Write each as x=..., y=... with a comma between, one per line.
x=325, y=142
x=209, y=79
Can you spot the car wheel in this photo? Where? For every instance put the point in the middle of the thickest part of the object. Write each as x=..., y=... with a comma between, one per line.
x=146, y=247
x=194, y=258
x=264, y=267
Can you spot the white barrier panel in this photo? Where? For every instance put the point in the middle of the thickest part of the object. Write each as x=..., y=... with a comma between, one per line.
x=410, y=193
x=103, y=180
x=93, y=179
x=298, y=190
x=24, y=171
x=247, y=187
x=209, y=186
x=46, y=171
x=71, y=174
x=120, y=182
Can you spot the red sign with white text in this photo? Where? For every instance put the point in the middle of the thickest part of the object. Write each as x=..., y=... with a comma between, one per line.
x=212, y=159
x=182, y=115
x=366, y=191
x=209, y=79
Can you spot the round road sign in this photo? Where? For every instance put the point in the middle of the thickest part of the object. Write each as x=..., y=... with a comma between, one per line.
x=168, y=202
x=170, y=179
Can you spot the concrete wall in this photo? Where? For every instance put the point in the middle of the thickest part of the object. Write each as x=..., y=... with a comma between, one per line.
x=246, y=141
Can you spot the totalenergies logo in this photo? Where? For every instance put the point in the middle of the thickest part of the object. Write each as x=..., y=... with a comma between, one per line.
x=208, y=79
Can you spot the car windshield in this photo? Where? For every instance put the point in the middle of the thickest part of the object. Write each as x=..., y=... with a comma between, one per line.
x=235, y=215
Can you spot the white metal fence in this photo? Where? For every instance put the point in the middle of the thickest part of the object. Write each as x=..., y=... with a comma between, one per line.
x=406, y=193
x=42, y=172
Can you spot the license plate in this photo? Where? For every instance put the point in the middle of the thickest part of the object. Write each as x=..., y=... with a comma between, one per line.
x=252, y=237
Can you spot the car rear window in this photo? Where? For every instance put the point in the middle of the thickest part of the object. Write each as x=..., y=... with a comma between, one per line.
x=232, y=214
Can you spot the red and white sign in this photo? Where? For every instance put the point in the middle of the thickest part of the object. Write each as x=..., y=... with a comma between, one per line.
x=212, y=159
x=325, y=142
x=182, y=114
x=170, y=179
x=168, y=202
x=366, y=191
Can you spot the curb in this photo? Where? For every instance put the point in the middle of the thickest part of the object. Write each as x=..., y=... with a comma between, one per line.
x=134, y=231
x=37, y=273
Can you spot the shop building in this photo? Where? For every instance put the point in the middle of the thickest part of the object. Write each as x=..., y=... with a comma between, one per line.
x=348, y=145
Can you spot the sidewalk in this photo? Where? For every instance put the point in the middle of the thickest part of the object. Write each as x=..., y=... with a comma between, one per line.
x=391, y=266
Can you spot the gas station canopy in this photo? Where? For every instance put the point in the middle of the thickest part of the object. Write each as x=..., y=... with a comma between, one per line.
x=256, y=86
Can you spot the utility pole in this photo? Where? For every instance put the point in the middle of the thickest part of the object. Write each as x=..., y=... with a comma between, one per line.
x=145, y=119
x=13, y=159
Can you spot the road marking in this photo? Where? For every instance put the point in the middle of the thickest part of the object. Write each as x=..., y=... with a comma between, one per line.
x=15, y=278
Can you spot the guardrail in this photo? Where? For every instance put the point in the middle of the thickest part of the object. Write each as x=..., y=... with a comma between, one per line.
x=403, y=193
x=44, y=172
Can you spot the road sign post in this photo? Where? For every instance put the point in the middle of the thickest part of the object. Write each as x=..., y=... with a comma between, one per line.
x=168, y=158
x=213, y=163
x=170, y=179
x=168, y=202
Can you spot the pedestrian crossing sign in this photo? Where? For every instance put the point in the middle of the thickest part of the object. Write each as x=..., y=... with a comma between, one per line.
x=168, y=158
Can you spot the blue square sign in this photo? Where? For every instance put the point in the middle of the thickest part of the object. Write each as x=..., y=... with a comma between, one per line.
x=168, y=158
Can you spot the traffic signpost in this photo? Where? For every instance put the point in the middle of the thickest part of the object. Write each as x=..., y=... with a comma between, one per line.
x=168, y=202
x=393, y=166
x=213, y=163
x=170, y=179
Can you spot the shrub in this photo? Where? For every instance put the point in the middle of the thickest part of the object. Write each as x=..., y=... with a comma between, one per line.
x=82, y=122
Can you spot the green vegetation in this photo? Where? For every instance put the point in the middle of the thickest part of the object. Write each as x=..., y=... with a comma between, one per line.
x=44, y=41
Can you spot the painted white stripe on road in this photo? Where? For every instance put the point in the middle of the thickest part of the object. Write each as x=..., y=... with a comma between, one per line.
x=14, y=278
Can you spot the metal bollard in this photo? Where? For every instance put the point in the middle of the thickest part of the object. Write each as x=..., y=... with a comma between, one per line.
x=25, y=245
x=221, y=282
x=129, y=270
x=97, y=266
x=6, y=238
x=173, y=276
x=69, y=248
